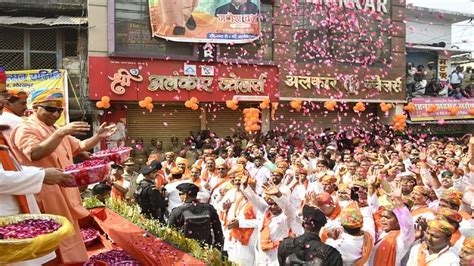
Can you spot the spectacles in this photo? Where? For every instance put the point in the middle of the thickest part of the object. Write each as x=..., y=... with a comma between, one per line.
x=51, y=109
x=220, y=169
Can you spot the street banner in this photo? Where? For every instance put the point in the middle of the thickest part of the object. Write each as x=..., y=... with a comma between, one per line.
x=31, y=80
x=422, y=105
x=205, y=21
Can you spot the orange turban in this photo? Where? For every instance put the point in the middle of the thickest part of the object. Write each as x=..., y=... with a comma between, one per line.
x=18, y=93
x=452, y=196
x=441, y=226
x=351, y=217
x=450, y=214
x=421, y=190
x=468, y=243
x=46, y=95
x=329, y=179
x=278, y=172
x=176, y=171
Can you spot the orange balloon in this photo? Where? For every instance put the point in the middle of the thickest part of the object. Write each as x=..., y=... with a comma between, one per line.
x=229, y=103
x=148, y=99
x=106, y=105
x=99, y=104
x=254, y=119
x=235, y=107
x=149, y=106
x=410, y=107
x=142, y=104
x=432, y=109
x=194, y=107
x=454, y=110
x=255, y=128
x=471, y=111
x=105, y=99
x=188, y=104
x=194, y=100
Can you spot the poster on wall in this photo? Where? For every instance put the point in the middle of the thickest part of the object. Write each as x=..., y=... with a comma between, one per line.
x=205, y=21
x=31, y=80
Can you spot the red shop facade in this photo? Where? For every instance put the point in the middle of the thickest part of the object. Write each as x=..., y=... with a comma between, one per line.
x=170, y=83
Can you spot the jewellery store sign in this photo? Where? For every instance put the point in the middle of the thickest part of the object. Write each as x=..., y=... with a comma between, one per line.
x=130, y=80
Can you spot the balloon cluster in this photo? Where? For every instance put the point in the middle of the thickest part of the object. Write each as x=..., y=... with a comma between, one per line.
x=296, y=104
x=359, y=107
x=232, y=104
x=385, y=107
x=454, y=110
x=432, y=109
x=265, y=104
x=399, y=122
x=251, y=119
x=330, y=105
x=192, y=103
x=103, y=103
x=410, y=107
x=146, y=103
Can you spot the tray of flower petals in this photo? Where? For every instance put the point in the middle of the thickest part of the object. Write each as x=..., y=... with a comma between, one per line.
x=88, y=172
x=29, y=236
x=117, y=155
x=89, y=236
x=115, y=257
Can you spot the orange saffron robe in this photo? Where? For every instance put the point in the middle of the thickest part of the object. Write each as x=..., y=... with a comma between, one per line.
x=54, y=199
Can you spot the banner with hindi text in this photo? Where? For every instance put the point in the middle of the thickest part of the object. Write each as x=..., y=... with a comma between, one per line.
x=31, y=80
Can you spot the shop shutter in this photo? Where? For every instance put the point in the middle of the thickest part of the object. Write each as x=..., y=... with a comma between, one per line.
x=224, y=121
x=163, y=123
x=316, y=119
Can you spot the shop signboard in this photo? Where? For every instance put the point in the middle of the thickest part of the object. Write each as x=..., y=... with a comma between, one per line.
x=173, y=81
x=442, y=110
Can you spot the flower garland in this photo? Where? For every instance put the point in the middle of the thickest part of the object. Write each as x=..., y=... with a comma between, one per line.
x=211, y=256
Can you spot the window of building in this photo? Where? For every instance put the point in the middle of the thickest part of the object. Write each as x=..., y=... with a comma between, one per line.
x=322, y=33
x=31, y=49
x=259, y=50
x=133, y=33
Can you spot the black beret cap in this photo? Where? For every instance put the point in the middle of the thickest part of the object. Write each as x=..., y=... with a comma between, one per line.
x=313, y=215
x=189, y=188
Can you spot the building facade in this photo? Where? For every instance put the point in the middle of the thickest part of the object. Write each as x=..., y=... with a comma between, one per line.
x=430, y=39
x=128, y=65
x=48, y=35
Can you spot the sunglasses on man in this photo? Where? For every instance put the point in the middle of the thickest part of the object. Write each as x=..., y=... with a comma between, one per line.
x=51, y=109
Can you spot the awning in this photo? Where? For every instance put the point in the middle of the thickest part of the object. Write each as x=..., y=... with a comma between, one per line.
x=61, y=20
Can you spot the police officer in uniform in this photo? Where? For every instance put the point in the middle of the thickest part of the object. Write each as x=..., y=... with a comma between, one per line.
x=197, y=220
x=308, y=249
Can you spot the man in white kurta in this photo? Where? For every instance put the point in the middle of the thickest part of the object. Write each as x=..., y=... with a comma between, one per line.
x=279, y=225
x=26, y=182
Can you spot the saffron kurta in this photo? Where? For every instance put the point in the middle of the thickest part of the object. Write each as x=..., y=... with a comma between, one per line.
x=54, y=199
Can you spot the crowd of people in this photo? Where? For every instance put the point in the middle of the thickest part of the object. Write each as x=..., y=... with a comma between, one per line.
x=423, y=81
x=338, y=198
